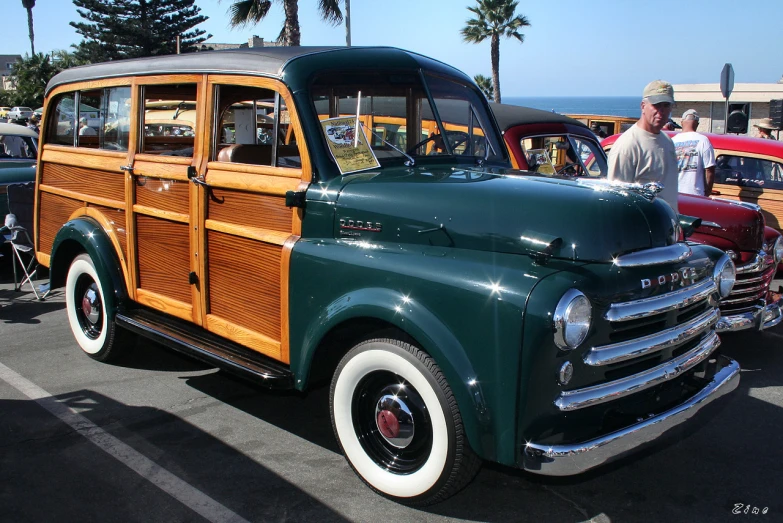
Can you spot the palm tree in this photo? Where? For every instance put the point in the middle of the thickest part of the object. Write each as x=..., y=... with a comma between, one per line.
x=29, y=4
x=485, y=84
x=494, y=18
x=244, y=12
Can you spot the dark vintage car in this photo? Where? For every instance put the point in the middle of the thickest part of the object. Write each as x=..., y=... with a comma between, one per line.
x=460, y=313
x=735, y=227
x=18, y=154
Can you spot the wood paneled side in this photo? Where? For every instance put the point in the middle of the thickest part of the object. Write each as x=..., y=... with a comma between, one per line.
x=250, y=209
x=116, y=218
x=159, y=193
x=244, y=283
x=103, y=184
x=164, y=257
x=54, y=212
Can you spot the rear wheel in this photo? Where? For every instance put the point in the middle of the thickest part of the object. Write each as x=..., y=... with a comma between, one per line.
x=398, y=424
x=91, y=322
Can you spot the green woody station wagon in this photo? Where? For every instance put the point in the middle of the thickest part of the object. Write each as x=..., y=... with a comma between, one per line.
x=315, y=215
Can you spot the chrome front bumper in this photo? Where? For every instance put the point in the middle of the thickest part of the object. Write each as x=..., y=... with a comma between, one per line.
x=759, y=319
x=565, y=460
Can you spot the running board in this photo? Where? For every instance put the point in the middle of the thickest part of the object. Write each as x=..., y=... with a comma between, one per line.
x=194, y=341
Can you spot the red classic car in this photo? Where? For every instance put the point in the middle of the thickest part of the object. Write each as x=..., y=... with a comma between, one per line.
x=556, y=145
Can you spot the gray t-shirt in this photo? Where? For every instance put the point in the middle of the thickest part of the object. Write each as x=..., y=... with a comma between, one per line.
x=642, y=157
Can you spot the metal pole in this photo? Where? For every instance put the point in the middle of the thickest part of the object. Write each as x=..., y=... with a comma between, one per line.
x=726, y=118
x=348, y=23
x=178, y=38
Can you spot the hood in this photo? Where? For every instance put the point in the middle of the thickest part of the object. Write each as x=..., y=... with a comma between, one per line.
x=742, y=225
x=500, y=211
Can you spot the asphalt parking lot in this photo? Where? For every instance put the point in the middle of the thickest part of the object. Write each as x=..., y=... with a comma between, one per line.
x=160, y=437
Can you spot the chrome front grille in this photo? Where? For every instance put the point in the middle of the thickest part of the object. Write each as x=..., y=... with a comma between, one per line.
x=753, y=280
x=653, y=340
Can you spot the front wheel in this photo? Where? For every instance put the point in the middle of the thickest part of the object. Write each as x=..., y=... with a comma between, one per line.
x=91, y=322
x=398, y=424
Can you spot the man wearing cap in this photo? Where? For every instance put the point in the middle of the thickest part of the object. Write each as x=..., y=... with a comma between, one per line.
x=644, y=154
x=85, y=129
x=695, y=157
x=765, y=129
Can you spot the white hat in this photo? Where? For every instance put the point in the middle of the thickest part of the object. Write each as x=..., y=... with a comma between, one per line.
x=690, y=112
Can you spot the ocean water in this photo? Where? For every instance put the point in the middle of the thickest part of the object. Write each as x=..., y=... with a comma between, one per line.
x=609, y=105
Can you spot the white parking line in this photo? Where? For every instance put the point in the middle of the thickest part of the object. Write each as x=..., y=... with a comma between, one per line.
x=180, y=490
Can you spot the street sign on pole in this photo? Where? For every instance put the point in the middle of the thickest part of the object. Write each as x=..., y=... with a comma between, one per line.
x=727, y=80
x=726, y=86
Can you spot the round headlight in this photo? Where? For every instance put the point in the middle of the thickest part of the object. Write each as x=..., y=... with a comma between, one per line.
x=777, y=250
x=572, y=319
x=725, y=275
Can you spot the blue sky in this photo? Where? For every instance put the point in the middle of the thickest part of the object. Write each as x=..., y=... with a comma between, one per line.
x=573, y=48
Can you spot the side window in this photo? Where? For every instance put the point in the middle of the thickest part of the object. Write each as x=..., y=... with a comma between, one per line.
x=169, y=123
x=61, y=120
x=89, y=118
x=748, y=172
x=95, y=118
x=116, y=122
x=254, y=127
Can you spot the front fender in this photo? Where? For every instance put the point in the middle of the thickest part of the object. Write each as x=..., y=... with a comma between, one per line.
x=418, y=322
x=86, y=235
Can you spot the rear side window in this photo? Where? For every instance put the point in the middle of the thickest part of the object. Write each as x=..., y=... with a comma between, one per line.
x=169, y=123
x=748, y=172
x=94, y=119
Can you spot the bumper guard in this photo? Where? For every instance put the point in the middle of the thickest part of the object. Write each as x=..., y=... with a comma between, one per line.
x=760, y=318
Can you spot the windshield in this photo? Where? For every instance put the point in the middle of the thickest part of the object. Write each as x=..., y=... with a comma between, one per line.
x=564, y=154
x=398, y=119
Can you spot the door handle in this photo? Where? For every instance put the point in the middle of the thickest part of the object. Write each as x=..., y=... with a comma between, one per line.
x=127, y=168
x=193, y=176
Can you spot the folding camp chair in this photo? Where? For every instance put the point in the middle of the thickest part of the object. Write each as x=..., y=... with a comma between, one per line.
x=15, y=232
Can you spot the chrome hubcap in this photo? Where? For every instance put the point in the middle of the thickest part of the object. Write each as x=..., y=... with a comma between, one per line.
x=91, y=304
x=394, y=421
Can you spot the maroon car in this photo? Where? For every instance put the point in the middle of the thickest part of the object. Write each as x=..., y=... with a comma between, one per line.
x=556, y=145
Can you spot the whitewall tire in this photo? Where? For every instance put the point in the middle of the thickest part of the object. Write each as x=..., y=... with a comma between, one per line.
x=91, y=323
x=398, y=424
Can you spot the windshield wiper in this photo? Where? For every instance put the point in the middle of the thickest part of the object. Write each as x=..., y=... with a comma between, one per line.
x=410, y=163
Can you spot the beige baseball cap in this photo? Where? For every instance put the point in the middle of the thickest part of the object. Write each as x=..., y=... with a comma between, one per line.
x=658, y=91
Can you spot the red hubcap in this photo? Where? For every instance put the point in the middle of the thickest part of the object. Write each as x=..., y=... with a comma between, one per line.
x=86, y=306
x=388, y=424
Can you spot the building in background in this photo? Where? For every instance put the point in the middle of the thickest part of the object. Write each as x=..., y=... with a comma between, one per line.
x=6, y=64
x=253, y=41
x=753, y=99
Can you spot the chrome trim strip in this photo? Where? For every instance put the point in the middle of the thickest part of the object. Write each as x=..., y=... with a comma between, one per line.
x=750, y=280
x=633, y=310
x=745, y=299
x=627, y=350
x=746, y=290
x=669, y=254
x=565, y=460
x=747, y=205
x=712, y=225
x=580, y=398
x=759, y=263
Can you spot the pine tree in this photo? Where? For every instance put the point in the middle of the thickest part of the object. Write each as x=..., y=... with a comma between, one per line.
x=115, y=29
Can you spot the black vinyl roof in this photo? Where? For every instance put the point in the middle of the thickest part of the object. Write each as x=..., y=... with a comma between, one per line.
x=261, y=61
x=511, y=115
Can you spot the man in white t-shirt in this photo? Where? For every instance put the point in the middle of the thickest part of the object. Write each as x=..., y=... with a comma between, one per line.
x=644, y=154
x=695, y=157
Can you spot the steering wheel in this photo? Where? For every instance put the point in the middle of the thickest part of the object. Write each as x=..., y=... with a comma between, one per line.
x=573, y=167
x=455, y=138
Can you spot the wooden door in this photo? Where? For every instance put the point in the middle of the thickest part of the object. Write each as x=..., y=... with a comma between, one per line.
x=164, y=225
x=247, y=232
